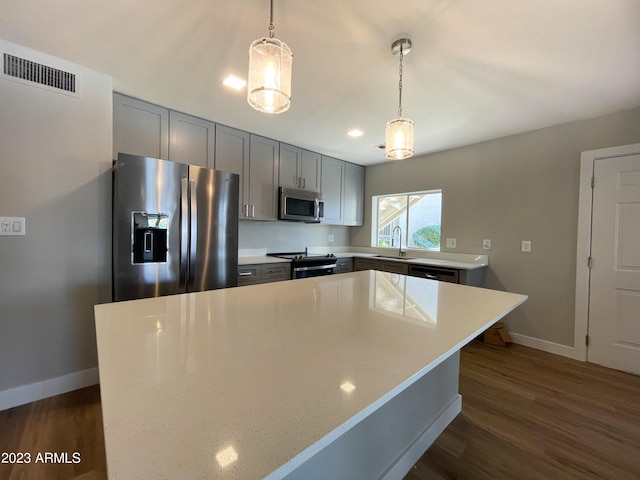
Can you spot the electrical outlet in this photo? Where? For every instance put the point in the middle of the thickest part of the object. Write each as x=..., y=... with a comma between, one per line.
x=331, y=238
x=12, y=225
x=526, y=246
x=486, y=244
x=451, y=243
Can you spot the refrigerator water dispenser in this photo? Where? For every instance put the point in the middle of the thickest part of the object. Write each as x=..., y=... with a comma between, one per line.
x=149, y=237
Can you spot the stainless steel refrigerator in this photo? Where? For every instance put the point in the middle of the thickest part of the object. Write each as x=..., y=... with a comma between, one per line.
x=175, y=228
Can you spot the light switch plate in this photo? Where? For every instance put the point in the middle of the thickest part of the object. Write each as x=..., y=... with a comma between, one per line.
x=486, y=244
x=526, y=246
x=13, y=226
x=451, y=243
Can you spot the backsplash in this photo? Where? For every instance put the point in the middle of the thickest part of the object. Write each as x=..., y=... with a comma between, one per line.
x=289, y=236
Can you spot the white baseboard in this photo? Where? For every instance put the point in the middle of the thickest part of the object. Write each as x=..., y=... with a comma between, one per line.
x=409, y=458
x=546, y=346
x=48, y=388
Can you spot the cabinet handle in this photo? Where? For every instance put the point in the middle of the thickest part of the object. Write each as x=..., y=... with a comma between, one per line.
x=304, y=183
x=246, y=210
x=253, y=211
x=245, y=274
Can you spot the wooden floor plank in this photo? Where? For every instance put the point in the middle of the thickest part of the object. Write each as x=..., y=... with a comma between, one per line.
x=526, y=414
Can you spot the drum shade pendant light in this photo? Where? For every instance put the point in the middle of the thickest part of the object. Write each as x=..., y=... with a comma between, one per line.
x=269, y=84
x=399, y=132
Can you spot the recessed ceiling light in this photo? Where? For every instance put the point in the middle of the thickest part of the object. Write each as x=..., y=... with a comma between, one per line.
x=355, y=133
x=234, y=82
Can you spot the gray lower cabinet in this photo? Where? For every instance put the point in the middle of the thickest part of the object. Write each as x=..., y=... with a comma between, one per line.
x=344, y=265
x=380, y=265
x=360, y=263
x=473, y=277
x=191, y=140
x=263, y=273
x=139, y=128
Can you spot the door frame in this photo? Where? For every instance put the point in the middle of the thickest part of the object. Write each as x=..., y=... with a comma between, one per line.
x=583, y=250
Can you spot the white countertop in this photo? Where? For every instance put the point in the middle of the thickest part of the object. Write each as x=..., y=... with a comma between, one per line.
x=459, y=261
x=261, y=259
x=243, y=382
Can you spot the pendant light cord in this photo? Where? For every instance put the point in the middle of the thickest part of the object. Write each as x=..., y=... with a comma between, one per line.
x=400, y=86
x=271, y=26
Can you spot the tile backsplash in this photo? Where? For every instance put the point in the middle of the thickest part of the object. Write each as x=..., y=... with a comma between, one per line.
x=289, y=236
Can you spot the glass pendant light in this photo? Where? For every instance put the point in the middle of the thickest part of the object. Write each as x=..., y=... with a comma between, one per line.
x=269, y=84
x=399, y=132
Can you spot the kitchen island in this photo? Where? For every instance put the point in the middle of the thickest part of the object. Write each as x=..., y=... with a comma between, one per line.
x=343, y=376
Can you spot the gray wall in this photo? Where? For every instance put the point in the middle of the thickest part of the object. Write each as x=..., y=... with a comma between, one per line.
x=522, y=187
x=289, y=236
x=55, y=156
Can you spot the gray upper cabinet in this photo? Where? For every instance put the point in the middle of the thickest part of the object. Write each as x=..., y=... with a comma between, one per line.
x=354, y=194
x=232, y=155
x=311, y=171
x=191, y=140
x=262, y=186
x=139, y=128
x=299, y=168
x=290, y=160
x=332, y=185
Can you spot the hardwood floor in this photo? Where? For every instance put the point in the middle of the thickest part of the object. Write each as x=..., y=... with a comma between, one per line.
x=526, y=415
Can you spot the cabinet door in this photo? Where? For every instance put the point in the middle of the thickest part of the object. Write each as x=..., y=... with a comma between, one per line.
x=310, y=168
x=191, y=140
x=353, y=194
x=332, y=186
x=263, y=178
x=232, y=155
x=344, y=265
x=290, y=160
x=365, y=264
x=139, y=128
x=249, y=274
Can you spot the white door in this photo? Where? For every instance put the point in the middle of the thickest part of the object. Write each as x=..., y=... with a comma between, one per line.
x=614, y=299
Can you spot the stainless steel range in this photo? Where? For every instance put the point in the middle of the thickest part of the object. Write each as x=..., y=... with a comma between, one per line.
x=305, y=264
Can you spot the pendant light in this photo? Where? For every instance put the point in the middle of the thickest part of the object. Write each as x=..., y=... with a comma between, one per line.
x=269, y=84
x=399, y=132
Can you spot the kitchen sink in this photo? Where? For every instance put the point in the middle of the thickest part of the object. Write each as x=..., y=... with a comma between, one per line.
x=395, y=257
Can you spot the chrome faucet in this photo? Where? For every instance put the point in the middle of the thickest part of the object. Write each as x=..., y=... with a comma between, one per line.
x=393, y=232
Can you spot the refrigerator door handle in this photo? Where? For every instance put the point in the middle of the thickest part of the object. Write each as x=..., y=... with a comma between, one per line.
x=193, y=234
x=184, y=232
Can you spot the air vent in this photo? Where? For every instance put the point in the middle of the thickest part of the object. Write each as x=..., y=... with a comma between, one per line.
x=35, y=72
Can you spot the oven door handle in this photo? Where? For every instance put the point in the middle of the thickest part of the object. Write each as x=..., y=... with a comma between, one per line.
x=315, y=267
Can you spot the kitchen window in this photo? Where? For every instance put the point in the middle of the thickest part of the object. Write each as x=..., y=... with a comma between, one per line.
x=417, y=214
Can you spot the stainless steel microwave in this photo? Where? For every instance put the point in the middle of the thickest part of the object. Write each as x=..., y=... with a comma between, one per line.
x=301, y=205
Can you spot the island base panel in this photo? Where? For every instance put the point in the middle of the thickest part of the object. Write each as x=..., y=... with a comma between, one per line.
x=386, y=443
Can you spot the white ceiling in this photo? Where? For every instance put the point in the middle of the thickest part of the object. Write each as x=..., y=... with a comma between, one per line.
x=479, y=69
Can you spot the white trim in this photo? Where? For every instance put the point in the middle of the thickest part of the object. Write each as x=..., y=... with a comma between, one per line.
x=408, y=459
x=48, y=388
x=546, y=346
x=583, y=250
